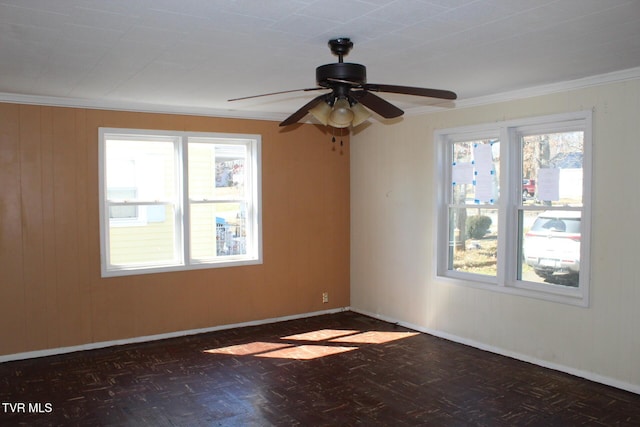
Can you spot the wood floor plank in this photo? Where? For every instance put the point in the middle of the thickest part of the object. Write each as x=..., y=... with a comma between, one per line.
x=342, y=369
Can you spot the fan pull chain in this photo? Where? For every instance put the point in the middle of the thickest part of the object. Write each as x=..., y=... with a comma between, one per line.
x=333, y=138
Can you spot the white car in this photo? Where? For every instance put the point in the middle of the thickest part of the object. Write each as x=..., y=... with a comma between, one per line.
x=552, y=246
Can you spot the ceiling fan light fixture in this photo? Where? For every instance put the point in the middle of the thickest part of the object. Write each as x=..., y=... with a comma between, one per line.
x=321, y=112
x=341, y=116
x=360, y=114
x=348, y=84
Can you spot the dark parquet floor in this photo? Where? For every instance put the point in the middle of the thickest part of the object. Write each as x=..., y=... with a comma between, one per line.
x=342, y=369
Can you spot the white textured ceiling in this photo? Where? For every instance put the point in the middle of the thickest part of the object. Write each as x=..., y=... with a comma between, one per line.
x=193, y=55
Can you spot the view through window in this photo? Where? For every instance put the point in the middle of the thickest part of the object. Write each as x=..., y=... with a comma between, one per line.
x=514, y=206
x=172, y=200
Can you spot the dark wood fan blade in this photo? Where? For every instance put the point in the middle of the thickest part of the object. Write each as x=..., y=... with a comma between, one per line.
x=409, y=90
x=377, y=104
x=277, y=93
x=302, y=111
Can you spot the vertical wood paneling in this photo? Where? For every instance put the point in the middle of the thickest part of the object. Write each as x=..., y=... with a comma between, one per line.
x=12, y=291
x=59, y=299
x=66, y=212
x=93, y=215
x=83, y=233
x=32, y=212
x=48, y=222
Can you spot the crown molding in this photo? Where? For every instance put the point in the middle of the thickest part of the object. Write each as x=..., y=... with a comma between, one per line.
x=586, y=82
x=98, y=104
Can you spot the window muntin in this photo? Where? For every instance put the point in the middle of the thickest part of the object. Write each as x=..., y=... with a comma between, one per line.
x=542, y=168
x=175, y=201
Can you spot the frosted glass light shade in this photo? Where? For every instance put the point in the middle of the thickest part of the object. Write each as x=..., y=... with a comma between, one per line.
x=321, y=112
x=360, y=114
x=341, y=115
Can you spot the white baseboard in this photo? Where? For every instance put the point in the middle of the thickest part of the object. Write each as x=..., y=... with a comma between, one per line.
x=103, y=344
x=634, y=388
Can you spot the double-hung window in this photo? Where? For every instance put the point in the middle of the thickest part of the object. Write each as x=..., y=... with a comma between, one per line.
x=513, y=206
x=178, y=200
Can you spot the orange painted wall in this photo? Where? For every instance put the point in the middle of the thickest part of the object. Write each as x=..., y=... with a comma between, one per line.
x=51, y=292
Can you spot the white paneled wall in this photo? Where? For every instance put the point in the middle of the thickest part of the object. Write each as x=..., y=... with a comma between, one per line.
x=393, y=242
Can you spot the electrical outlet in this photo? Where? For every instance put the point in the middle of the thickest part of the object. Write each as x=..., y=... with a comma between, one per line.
x=325, y=297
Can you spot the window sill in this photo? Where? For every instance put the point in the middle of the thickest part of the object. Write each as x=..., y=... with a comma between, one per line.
x=132, y=271
x=552, y=293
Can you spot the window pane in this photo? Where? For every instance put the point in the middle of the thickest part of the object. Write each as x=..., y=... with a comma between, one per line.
x=550, y=247
x=473, y=240
x=216, y=171
x=552, y=169
x=218, y=229
x=141, y=170
x=149, y=201
x=145, y=168
x=475, y=172
x=144, y=243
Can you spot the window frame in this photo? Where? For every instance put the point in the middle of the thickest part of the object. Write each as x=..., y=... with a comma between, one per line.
x=510, y=205
x=182, y=201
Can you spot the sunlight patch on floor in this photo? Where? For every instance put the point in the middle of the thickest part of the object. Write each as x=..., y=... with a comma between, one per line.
x=374, y=337
x=306, y=352
x=321, y=335
x=313, y=344
x=248, y=349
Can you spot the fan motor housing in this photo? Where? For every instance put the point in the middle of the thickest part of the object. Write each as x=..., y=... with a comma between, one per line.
x=327, y=75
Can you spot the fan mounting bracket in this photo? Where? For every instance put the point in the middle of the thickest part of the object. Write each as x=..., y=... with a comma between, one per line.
x=340, y=46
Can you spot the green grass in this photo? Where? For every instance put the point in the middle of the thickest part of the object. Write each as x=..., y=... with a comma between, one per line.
x=483, y=260
x=480, y=260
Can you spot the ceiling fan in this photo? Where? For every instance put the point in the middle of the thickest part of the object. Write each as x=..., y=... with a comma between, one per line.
x=343, y=105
